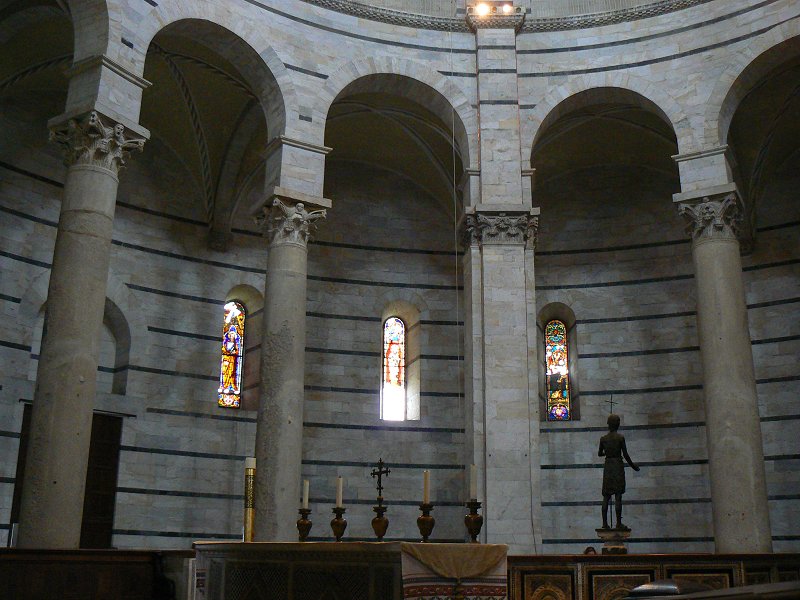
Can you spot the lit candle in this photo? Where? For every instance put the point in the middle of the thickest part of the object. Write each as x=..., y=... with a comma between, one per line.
x=249, y=463
x=305, y=493
x=426, y=487
x=339, y=483
x=473, y=482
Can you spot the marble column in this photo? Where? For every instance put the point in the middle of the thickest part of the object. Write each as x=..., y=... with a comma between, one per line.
x=289, y=220
x=510, y=417
x=61, y=423
x=733, y=429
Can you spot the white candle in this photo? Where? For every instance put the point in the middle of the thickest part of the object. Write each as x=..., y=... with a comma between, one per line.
x=426, y=487
x=339, y=483
x=249, y=463
x=305, y=493
x=473, y=482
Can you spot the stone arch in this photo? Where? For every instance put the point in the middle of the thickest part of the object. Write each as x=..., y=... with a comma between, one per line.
x=411, y=80
x=92, y=22
x=613, y=86
x=749, y=65
x=245, y=47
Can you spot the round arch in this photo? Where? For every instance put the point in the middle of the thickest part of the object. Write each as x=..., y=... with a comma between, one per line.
x=750, y=65
x=413, y=81
x=606, y=88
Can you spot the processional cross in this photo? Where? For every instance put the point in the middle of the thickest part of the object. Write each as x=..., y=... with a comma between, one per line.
x=611, y=402
x=379, y=473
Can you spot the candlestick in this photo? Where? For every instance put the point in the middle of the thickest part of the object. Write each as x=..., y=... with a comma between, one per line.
x=305, y=493
x=473, y=520
x=339, y=485
x=249, y=498
x=379, y=522
x=426, y=487
x=304, y=524
x=473, y=482
x=425, y=521
x=338, y=523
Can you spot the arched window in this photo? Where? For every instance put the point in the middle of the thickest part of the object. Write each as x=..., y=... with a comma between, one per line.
x=557, y=371
x=230, y=372
x=393, y=388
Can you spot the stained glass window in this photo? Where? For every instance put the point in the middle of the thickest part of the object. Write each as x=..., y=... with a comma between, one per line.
x=393, y=389
x=230, y=373
x=557, y=374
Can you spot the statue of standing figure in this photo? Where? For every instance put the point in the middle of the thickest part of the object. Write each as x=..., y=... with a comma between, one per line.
x=612, y=446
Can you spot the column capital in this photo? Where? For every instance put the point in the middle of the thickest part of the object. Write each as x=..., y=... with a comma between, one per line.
x=94, y=139
x=496, y=17
x=286, y=219
x=714, y=216
x=501, y=226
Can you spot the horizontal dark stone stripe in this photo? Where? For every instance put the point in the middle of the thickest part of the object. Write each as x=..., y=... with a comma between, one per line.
x=688, y=313
x=305, y=71
x=149, y=290
x=652, y=36
x=611, y=248
x=650, y=390
x=10, y=434
x=615, y=283
x=8, y=298
x=343, y=317
x=632, y=502
x=779, y=497
x=527, y=106
x=28, y=217
x=177, y=534
x=357, y=36
x=41, y=178
x=186, y=334
x=497, y=102
x=182, y=494
x=625, y=427
x=642, y=352
x=343, y=352
x=777, y=340
x=457, y=74
x=638, y=540
x=496, y=47
x=305, y=118
x=785, y=538
x=386, y=427
x=393, y=465
x=152, y=2
x=779, y=225
x=15, y=346
x=780, y=418
x=384, y=248
x=778, y=379
x=418, y=286
x=435, y=322
x=163, y=215
x=773, y=303
x=181, y=453
x=441, y=357
x=201, y=261
x=172, y=373
x=772, y=265
x=7, y=480
x=201, y=415
x=652, y=61
x=341, y=390
x=25, y=259
x=496, y=72
x=357, y=501
x=655, y=463
x=779, y=457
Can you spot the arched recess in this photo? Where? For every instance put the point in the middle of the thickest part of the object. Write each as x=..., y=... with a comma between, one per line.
x=411, y=81
x=749, y=65
x=561, y=312
x=253, y=302
x=609, y=88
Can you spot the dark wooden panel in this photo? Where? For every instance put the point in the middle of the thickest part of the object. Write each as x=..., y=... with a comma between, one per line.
x=101, y=482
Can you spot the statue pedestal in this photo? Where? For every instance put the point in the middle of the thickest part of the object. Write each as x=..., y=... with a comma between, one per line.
x=614, y=540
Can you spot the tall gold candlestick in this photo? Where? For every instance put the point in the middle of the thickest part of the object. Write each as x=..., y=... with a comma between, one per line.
x=249, y=498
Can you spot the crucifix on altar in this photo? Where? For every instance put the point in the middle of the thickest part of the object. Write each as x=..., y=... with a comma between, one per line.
x=380, y=523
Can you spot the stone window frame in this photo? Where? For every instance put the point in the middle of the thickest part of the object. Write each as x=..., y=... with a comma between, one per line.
x=562, y=312
x=253, y=302
x=410, y=315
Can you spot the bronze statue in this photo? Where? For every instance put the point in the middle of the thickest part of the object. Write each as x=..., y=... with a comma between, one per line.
x=612, y=446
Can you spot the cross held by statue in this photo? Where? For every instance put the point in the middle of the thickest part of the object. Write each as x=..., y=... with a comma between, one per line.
x=379, y=473
x=611, y=403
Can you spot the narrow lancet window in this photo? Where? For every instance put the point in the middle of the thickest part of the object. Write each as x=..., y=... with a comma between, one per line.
x=557, y=364
x=230, y=375
x=393, y=388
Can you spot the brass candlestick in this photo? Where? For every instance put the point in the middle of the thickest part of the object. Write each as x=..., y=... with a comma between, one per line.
x=249, y=499
x=304, y=524
x=338, y=524
x=425, y=521
x=380, y=523
x=473, y=520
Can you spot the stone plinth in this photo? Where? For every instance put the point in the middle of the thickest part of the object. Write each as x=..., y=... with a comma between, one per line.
x=614, y=540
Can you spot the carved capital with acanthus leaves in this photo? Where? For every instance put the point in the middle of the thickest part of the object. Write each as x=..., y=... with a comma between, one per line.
x=713, y=217
x=501, y=228
x=95, y=140
x=289, y=223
